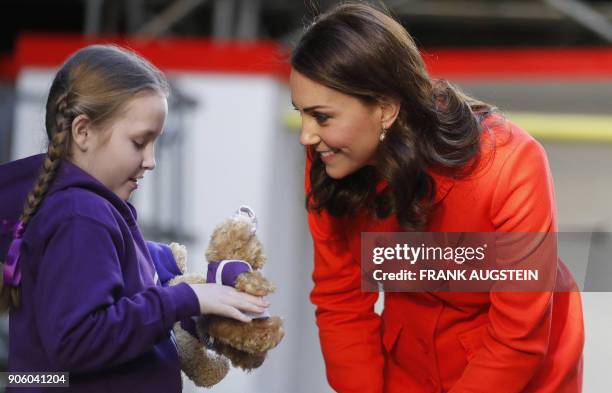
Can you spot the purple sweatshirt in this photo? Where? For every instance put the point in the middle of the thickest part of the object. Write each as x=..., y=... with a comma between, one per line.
x=89, y=305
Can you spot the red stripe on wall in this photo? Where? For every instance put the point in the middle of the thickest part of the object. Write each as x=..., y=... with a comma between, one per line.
x=168, y=54
x=531, y=63
x=261, y=57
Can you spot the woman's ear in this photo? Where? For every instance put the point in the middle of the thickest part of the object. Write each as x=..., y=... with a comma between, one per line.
x=389, y=110
x=81, y=132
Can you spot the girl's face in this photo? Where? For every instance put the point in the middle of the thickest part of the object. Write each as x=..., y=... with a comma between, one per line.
x=119, y=153
x=341, y=128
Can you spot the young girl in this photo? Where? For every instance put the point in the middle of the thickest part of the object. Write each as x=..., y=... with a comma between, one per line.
x=391, y=150
x=82, y=290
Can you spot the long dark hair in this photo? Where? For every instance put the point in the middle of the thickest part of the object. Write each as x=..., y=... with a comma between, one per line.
x=97, y=81
x=362, y=52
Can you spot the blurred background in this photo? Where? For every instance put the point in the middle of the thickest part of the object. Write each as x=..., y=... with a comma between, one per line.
x=232, y=137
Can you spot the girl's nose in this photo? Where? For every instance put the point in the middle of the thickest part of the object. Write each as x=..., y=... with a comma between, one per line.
x=149, y=158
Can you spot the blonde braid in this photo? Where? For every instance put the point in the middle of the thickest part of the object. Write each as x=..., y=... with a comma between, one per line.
x=56, y=150
x=9, y=295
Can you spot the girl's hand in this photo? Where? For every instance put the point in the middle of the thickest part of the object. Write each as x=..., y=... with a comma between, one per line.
x=226, y=301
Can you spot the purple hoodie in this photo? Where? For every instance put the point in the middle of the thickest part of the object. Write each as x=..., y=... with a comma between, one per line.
x=89, y=305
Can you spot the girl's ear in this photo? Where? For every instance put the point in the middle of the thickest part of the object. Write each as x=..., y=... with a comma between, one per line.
x=389, y=109
x=81, y=132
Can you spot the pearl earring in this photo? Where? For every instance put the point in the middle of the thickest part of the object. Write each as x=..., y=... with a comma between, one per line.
x=383, y=134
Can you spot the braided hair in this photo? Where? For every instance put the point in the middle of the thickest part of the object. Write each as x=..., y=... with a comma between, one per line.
x=56, y=150
x=97, y=81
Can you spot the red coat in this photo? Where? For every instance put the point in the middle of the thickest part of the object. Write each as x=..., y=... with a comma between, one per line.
x=452, y=342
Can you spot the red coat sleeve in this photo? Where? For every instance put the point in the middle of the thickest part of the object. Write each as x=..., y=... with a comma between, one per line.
x=349, y=329
x=517, y=337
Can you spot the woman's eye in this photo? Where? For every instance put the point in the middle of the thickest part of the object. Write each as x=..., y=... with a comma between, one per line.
x=320, y=117
x=138, y=145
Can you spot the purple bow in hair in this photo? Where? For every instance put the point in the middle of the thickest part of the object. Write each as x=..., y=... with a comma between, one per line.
x=12, y=273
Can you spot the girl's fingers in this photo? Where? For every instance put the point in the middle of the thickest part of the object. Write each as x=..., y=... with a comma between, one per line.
x=256, y=300
x=245, y=297
x=246, y=306
x=236, y=314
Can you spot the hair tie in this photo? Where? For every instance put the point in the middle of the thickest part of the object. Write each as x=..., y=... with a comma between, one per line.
x=11, y=271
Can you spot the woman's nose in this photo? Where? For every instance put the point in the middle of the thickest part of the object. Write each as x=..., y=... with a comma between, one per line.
x=308, y=136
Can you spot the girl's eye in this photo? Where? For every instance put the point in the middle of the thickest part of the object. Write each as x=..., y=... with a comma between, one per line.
x=138, y=145
x=320, y=117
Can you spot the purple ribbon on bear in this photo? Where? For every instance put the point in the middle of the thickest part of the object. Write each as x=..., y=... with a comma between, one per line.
x=225, y=273
x=11, y=272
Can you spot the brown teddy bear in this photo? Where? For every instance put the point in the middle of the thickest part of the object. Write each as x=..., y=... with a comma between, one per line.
x=235, y=256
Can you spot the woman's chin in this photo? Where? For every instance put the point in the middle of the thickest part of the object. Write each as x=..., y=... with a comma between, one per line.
x=339, y=170
x=336, y=173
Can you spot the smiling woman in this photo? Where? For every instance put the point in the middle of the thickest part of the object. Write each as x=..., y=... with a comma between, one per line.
x=343, y=130
x=369, y=102
x=391, y=150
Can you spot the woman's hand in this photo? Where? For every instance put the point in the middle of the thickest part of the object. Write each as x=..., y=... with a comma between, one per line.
x=228, y=302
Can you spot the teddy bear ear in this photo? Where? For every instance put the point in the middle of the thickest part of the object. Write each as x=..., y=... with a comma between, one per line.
x=179, y=252
x=247, y=214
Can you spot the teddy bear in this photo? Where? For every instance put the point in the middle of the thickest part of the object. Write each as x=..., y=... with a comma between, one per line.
x=235, y=256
